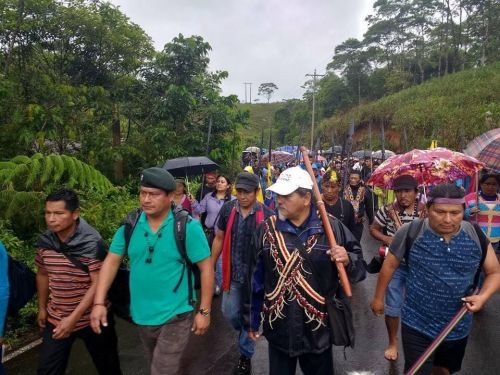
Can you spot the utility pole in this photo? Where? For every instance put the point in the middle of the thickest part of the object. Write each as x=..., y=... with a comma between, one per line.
x=314, y=104
x=250, y=84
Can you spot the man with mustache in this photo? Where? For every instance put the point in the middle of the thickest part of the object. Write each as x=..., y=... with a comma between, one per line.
x=288, y=289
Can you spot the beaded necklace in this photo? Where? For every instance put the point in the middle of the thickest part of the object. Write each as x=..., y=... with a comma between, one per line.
x=151, y=247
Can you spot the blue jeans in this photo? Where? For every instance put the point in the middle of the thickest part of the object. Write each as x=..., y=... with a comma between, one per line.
x=395, y=293
x=218, y=272
x=231, y=309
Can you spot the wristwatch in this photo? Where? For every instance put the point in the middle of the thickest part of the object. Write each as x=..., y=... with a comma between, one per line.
x=204, y=312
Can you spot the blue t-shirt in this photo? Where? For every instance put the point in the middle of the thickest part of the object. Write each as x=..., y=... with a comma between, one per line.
x=4, y=286
x=153, y=300
x=440, y=274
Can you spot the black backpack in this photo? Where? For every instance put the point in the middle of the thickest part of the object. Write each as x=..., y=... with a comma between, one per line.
x=22, y=285
x=181, y=218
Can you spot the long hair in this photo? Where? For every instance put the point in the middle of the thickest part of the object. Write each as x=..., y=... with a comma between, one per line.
x=227, y=197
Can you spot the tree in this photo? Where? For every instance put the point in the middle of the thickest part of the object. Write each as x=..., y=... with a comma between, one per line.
x=70, y=64
x=79, y=72
x=267, y=90
x=180, y=98
x=332, y=95
x=351, y=61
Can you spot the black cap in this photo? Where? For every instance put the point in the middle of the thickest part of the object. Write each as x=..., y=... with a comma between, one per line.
x=158, y=178
x=405, y=182
x=247, y=181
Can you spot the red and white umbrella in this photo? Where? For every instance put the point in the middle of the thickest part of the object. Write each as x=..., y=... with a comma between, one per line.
x=429, y=167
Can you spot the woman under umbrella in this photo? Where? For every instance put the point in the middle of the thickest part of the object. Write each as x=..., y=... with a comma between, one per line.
x=484, y=208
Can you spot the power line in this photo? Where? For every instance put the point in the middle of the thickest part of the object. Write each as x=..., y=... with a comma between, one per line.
x=314, y=104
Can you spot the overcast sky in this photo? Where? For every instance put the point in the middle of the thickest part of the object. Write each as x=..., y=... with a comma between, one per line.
x=256, y=41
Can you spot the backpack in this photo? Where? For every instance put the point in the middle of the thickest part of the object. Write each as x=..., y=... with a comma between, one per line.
x=181, y=218
x=22, y=281
x=415, y=228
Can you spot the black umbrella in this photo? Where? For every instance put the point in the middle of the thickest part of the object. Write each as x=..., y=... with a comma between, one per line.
x=190, y=166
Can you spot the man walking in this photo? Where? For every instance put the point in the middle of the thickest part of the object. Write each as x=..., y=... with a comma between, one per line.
x=387, y=221
x=68, y=258
x=442, y=263
x=238, y=221
x=159, y=287
x=336, y=205
x=295, y=270
x=210, y=182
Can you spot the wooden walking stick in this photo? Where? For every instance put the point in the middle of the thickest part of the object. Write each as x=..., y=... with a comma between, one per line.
x=344, y=281
x=437, y=341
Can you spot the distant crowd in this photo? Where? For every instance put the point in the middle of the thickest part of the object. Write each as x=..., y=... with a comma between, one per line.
x=260, y=243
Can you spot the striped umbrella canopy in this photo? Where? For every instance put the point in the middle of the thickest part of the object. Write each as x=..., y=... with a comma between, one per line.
x=429, y=167
x=486, y=148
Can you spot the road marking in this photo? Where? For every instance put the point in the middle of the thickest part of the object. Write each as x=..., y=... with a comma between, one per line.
x=22, y=350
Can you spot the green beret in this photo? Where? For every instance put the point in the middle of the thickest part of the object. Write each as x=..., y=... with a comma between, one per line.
x=158, y=178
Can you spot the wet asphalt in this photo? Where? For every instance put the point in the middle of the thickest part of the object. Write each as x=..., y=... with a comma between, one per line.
x=216, y=352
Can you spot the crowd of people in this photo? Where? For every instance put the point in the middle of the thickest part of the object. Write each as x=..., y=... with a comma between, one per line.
x=270, y=259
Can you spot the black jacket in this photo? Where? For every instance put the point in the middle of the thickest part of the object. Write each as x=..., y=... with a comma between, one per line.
x=85, y=242
x=291, y=331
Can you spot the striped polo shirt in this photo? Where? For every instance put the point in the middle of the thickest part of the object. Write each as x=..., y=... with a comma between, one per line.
x=67, y=285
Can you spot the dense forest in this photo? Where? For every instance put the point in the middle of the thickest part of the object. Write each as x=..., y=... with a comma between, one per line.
x=80, y=77
x=87, y=102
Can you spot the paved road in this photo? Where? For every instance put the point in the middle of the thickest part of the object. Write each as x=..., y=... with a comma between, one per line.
x=216, y=352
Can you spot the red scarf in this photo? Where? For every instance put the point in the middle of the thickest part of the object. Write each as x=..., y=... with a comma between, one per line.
x=226, y=246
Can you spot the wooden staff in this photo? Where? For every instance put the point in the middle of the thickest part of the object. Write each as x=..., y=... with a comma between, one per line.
x=438, y=340
x=344, y=281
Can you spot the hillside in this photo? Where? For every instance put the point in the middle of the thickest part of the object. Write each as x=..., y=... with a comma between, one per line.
x=451, y=109
x=261, y=116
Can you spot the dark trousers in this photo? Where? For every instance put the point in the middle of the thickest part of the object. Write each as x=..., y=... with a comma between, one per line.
x=281, y=363
x=54, y=354
x=449, y=354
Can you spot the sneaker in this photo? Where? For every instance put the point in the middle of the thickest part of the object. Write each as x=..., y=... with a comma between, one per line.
x=244, y=366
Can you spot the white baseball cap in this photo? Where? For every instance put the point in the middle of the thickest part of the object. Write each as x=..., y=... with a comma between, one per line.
x=290, y=180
